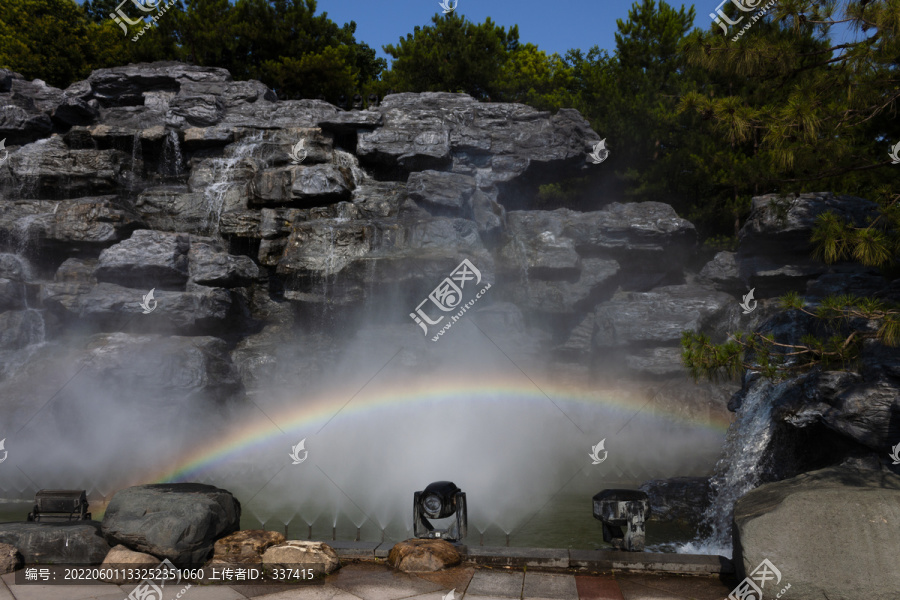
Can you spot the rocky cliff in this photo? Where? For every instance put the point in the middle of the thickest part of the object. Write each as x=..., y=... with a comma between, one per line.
x=257, y=221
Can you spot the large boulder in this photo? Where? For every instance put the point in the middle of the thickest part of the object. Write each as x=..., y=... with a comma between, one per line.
x=659, y=316
x=72, y=543
x=830, y=533
x=197, y=310
x=775, y=252
x=677, y=498
x=294, y=554
x=423, y=555
x=129, y=85
x=171, y=369
x=48, y=168
x=178, y=521
x=147, y=259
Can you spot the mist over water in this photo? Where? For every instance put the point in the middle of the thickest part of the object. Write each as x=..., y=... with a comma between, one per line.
x=391, y=415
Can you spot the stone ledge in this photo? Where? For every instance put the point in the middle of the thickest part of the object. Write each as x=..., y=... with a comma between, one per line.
x=518, y=557
x=349, y=549
x=606, y=560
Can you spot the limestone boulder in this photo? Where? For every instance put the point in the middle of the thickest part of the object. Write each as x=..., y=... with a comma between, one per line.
x=318, y=556
x=10, y=559
x=120, y=557
x=245, y=547
x=423, y=555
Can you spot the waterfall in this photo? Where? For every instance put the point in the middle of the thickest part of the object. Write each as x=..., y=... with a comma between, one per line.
x=223, y=179
x=740, y=468
x=33, y=318
x=345, y=159
x=172, y=160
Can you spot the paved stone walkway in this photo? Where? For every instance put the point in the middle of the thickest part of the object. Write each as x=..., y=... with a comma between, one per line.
x=370, y=581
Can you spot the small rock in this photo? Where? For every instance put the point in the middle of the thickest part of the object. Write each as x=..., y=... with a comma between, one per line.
x=245, y=547
x=423, y=555
x=318, y=556
x=120, y=555
x=10, y=559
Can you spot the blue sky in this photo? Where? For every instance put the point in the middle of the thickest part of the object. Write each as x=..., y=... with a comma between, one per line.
x=553, y=26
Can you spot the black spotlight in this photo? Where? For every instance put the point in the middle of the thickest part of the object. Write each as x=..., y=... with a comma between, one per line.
x=440, y=500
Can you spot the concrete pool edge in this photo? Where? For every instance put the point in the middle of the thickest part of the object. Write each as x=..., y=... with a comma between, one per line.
x=550, y=558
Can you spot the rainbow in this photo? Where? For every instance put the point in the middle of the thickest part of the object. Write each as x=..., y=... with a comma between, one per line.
x=315, y=412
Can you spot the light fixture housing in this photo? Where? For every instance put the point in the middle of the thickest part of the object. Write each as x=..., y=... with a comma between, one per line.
x=440, y=500
x=616, y=509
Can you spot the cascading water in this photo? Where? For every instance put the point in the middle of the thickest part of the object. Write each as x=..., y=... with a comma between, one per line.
x=223, y=179
x=172, y=159
x=345, y=159
x=740, y=468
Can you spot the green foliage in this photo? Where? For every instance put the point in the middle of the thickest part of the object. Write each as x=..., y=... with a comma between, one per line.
x=452, y=55
x=280, y=42
x=847, y=319
x=54, y=40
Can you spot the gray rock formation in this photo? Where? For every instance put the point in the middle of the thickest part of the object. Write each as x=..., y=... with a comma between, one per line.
x=178, y=521
x=828, y=532
x=73, y=543
x=272, y=231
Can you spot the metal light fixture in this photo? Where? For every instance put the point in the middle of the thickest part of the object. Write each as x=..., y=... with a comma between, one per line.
x=440, y=500
x=623, y=508
x=60, y=505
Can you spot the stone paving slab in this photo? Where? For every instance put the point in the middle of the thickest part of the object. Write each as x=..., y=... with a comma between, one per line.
x=547, y=586
x=685, y=587
x=597, y=588
x=5, y=594
x=375, y=581
x=378, y=582
x=319, y=592
x=502, y=584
